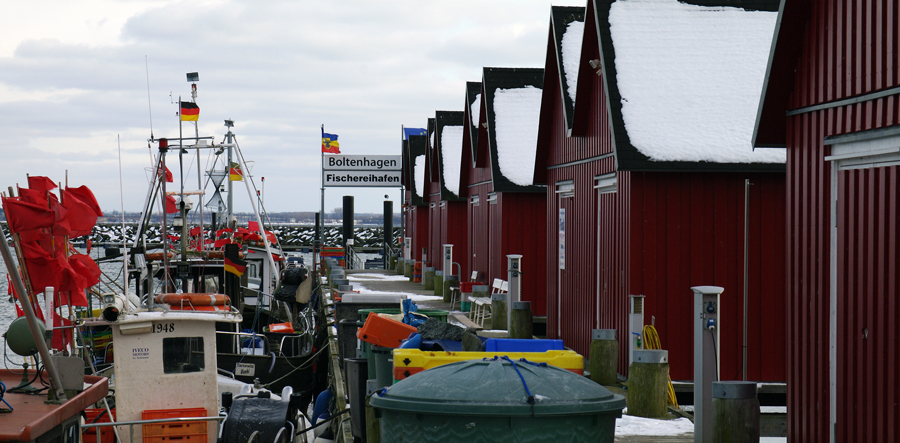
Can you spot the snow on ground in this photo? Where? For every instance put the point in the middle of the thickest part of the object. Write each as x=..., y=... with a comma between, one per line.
x=631, y=425
x=355, y=280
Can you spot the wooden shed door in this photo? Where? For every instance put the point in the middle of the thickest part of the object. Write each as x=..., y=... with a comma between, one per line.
x=865, y=283
x=565, y=193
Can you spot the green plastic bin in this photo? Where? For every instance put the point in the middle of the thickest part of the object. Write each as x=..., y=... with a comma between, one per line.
x=366, y=349
x=486, y=400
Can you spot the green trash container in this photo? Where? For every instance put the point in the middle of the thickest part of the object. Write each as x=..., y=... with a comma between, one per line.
x=479, y=400
x=366, y=349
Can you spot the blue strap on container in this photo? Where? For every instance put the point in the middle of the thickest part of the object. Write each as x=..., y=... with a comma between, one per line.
x=530, y=399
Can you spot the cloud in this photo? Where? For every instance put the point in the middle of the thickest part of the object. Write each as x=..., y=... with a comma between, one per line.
x=80, y=81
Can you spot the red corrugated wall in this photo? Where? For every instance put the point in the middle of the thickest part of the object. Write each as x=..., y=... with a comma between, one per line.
x=479, y=238
x=454, y=231
x=435, y=223
x=850, y=49
x=418, y=230
x=686, y=229
x=572, y=301
x=519, y=226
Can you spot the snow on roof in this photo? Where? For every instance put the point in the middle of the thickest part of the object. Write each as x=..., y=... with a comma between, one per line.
x=516, y=115
x=475, y=110
x=420, y=175
x=451, y=156
x=571, y=55
x=690, y=78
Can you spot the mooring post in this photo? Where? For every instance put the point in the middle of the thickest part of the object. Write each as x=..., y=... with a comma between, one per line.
x=648, y=381
x=498, y=311
x=604, y=356
x=428, y=277
x=521, y=322
x=735, y=412
x=438, y=282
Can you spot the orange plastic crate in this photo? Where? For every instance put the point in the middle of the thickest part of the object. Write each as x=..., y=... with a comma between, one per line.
x=384, y=332
x=106, y=433
x=174, y=432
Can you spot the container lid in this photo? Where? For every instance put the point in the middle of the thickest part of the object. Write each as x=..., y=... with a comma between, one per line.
x=494, y=387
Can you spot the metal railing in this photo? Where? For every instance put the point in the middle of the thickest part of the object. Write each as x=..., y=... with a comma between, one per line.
x=132, y=423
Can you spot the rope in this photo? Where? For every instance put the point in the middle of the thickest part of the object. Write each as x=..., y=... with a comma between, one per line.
x=651, y=341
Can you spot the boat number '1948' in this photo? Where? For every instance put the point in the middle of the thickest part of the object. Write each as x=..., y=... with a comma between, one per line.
x=163, y=327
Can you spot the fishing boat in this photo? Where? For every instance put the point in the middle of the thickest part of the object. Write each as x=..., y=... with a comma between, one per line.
x=170, y=337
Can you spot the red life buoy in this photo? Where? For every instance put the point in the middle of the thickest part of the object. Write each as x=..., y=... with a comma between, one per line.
x=193, y=299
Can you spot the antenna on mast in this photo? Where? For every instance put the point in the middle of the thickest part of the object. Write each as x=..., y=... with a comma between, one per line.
x=149, y=108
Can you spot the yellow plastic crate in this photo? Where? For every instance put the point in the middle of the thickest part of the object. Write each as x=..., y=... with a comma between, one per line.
x=412, y=361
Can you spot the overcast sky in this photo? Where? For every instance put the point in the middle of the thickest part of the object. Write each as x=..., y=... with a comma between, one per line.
x=74, y=78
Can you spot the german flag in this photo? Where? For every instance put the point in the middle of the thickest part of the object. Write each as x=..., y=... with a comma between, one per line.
x=233, y=262
x=190, y=112
x=234, y=173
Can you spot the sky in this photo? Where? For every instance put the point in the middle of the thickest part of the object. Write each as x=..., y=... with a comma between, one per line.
x=80, y=81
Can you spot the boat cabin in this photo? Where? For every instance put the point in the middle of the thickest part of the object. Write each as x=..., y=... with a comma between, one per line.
x=166, y=361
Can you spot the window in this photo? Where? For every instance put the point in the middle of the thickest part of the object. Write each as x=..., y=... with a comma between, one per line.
x=182, y=355
x=565, y=189
x=606, y=183
x=492, y=198
x=475, y=199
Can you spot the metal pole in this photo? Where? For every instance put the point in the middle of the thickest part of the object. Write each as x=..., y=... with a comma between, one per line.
x=229, y=140
x=746, y=270
x=13, y=269
x=322, y=208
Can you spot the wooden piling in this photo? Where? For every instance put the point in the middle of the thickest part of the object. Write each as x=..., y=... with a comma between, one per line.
x=648, y=378
x=498, y=311
x=449, y=281
x=735, y=412
x=373, y=424
x=438, y=282
x=604, y=356
x=428, y=277
x=521, y=318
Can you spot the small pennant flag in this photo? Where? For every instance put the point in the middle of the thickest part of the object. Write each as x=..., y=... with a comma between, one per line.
x=330, y=143
x=235, y=174
x=233, y=262
x=190, y=112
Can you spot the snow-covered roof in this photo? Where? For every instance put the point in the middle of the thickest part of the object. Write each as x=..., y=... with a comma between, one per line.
x=419, y=172
x=690, y=79
x=516, y=116
x=571, y=55
x=475, y=110
x=451, y=156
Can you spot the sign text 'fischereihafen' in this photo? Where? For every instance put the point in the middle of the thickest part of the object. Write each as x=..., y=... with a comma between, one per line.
x=377, y=179
x=376, y=171
x=362, y=163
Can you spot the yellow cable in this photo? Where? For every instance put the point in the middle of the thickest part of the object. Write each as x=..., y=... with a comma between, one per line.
x=651, y=341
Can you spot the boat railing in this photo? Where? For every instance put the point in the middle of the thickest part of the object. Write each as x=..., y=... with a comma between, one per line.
x=132, y=423
x=240, y=337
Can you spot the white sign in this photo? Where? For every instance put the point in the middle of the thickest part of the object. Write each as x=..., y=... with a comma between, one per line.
x=245, y=369
x=374, y=179
x=362, y=163
x=562, y=238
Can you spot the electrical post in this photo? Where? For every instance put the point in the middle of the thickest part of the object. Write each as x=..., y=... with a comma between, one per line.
x=706, y=358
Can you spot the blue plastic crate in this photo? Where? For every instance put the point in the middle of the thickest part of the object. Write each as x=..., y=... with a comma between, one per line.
x=522, y=345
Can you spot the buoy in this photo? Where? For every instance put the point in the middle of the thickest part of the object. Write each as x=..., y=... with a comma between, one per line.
x=194, y=301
